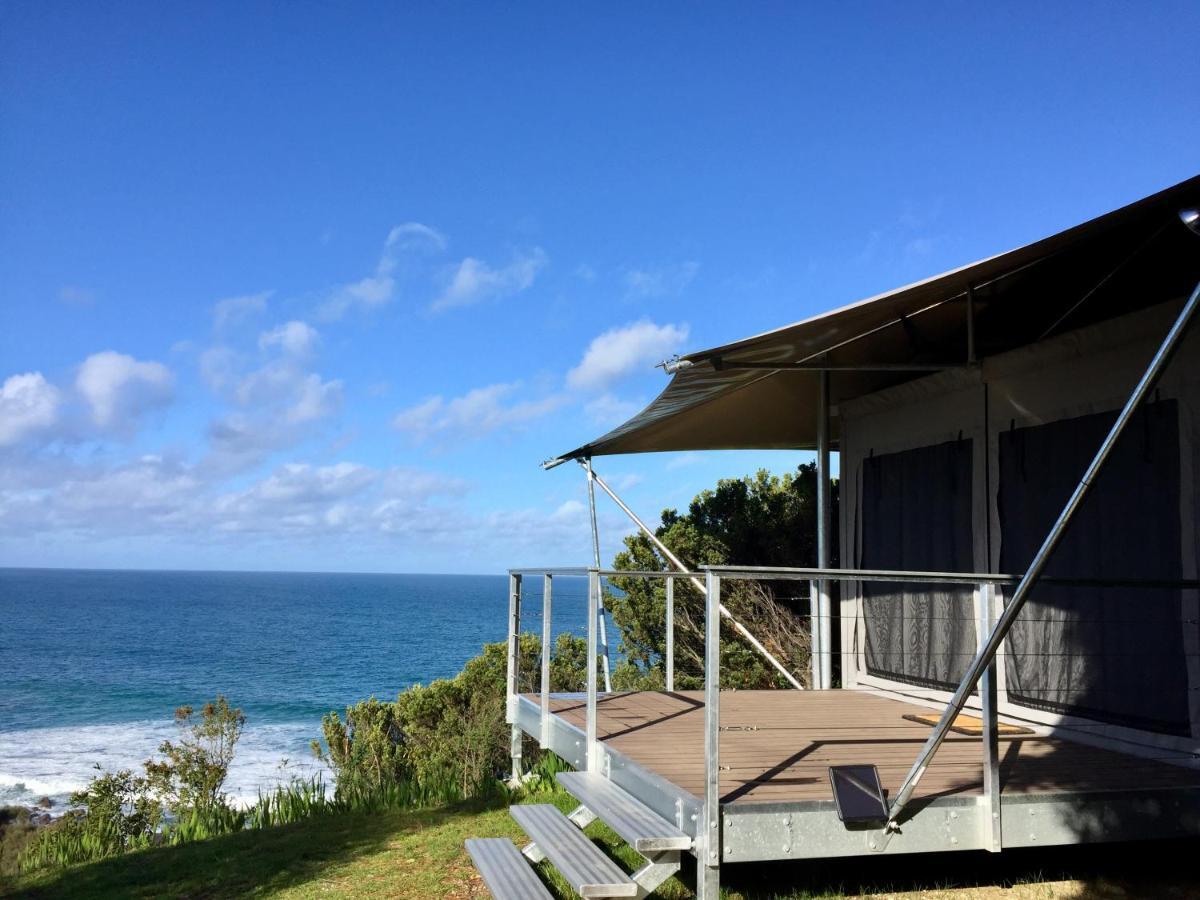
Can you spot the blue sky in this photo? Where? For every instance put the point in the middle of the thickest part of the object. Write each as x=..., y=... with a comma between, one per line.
x=297, y=286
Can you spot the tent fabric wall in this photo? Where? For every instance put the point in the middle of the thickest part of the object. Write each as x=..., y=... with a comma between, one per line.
x=1078, y=374
x=917, y=516
x=1112, y=654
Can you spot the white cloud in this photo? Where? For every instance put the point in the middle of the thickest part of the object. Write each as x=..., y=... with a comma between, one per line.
x=218, y=368
x=683, y=460
x=628, y=481
x=119, y=388
x=473, y=280
x=275, y=400
x=143, y=495
x=620, y=351
x=233, y=310
x=299, y=514
x=275, y=404
x=314, y=399
x=414, y=236
x=28, y=404
x=608, y=410
x=295, y=338
x=303, y=484
x=72, y=295
x=379, y=288
x=661, y=281
x=167, y=498
x=478, y=412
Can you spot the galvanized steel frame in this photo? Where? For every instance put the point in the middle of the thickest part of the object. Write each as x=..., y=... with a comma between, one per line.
x=753, y=832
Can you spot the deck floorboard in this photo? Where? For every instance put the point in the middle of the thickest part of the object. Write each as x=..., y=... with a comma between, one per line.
x=776, y=746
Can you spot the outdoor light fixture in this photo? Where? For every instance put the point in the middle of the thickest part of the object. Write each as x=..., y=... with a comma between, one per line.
x=1191, y=218
x=675, y=364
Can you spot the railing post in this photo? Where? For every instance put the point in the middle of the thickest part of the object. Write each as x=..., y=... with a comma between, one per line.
x=514, y=648
x=708, y=850
x=547, y=609
x=991, y=743
x=824, y=605
x=593, y=744
x=670, y=633
x=815, y=632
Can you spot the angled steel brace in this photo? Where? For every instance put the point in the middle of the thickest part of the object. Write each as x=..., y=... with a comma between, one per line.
x=604, y=659
x=678, y=564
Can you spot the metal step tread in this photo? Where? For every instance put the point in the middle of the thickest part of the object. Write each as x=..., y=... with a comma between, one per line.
x=578, y=860
x=505, y=871
x=637, y=825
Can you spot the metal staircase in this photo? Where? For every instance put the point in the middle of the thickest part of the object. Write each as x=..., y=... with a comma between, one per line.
x=560, y=839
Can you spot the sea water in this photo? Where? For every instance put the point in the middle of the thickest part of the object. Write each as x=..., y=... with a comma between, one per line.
x=94, y=663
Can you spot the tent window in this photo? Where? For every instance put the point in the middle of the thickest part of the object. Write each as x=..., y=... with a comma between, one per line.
x=916, y=515
x=1113, y=654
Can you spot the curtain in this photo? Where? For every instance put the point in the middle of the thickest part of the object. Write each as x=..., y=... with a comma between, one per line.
x=916, y=515
x=1114, y=654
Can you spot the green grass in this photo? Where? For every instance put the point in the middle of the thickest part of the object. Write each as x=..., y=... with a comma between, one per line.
x=419, y=854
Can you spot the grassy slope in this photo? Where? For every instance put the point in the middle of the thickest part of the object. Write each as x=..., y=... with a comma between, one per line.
x=419, y=855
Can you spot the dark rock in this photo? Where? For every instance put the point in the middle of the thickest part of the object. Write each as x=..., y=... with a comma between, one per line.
x=45, y=803
x=13, y=815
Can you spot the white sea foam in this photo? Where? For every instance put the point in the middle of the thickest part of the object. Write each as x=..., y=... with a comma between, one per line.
x=53, y=762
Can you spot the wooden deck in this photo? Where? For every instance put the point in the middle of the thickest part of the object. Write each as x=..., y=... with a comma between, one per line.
x=776, y=746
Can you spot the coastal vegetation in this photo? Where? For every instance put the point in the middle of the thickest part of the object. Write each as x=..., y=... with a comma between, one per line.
x=434, y=746
x=448, y=737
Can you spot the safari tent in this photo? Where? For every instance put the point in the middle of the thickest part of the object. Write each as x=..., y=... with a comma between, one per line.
x=1009, y=654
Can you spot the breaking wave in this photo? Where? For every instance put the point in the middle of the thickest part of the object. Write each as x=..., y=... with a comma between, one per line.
x=53, y=762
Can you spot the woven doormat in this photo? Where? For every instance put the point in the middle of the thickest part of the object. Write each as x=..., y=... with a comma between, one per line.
x=968, y=725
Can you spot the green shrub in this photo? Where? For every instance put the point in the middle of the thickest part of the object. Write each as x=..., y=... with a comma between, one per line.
x=199, y=823
x=365, y=749
x=192, y=773
x=16, y=834
x=289, y=803
x=120, y=812
x=445, y=741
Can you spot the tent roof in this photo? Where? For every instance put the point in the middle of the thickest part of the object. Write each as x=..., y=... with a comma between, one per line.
x=753, y=393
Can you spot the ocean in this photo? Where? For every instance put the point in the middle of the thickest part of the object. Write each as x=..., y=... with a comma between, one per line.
x=94, y=663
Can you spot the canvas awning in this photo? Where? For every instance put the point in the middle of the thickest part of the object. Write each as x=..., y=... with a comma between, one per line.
x=761, y=392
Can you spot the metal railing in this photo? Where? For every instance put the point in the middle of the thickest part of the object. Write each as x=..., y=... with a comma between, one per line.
x=712, y=578
x=984, y=586
x=594, y=605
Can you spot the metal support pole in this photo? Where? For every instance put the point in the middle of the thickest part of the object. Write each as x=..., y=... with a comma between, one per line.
x=988, y=651
x=814, y=628
x=670, y=634
x=547, y=611
x=708, y=849
x=986, y=594
x=675, y=561
x=514, y=649
x=824, y=518
x=593, y=749
x=591, y=478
